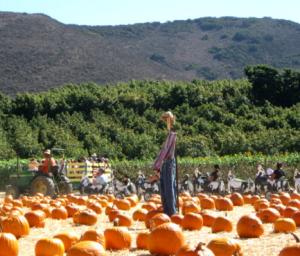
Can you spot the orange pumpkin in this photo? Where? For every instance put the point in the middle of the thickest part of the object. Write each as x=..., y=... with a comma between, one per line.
x=36, y=219
x=284, y=197
x=237, y=199
x=94, y=235
x=68, y=239
x=166, y=239
x=103, y=202
x=295, y=195
x=15, y=224
x=124, y=220
x=284, y=225
x=190, y=207
x=139, y=215
x=71, y=209
x=49, y=247
x=38, y=206
x=149, y=206
x=149, y=216
x=294, y=203
x=289, y=211
x=95, y=207
x=247, y=199
x=207, y=203
x=48, y=211
x=254, y=199
x=81, y=201
x=9, y=245
x=86, y=248
x=87, y=217
x=112, y=214
x=110, y=198
x=59, y=213
x=177, y=219
x=117, y=238
x=192, y=221
x=141, y=239
x=279, y=207
x=8, y=199
x=224, y=204
x=296, y=218
x=199, y=250
x=159, y=219
x=269, y=215
x=275, y=201
x=17, y=203
x=208, y=219
x=222, y=224
x=291, y=250
x=249, y=227
x=258, y=202
x=225, y=246
x=201, y=196
x=123, y=204
x=109, y=208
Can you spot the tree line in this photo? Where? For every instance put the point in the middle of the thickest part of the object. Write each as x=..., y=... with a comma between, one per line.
x=258, y=114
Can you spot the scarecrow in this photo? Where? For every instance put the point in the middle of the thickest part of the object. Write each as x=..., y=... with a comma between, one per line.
x=168, y=172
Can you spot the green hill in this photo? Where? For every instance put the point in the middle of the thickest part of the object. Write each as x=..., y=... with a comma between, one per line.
x=37, y=52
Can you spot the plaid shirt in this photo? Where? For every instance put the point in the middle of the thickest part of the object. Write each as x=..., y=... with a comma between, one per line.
x=167, y=151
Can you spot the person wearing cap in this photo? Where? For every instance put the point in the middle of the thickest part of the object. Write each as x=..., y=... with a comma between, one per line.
x=44, y=168
x=185, y=179
x=215, y=174
x=126, y=180
x=101, y=179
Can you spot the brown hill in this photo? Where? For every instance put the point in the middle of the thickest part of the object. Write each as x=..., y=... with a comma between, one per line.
x=37, y=52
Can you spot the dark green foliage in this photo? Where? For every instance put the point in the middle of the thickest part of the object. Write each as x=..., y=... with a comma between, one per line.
x=157, y=57
x=268, y=37
x=208, y=73
x=241, y=35
x=224, y=36
x=191, y=67
x=205, y=37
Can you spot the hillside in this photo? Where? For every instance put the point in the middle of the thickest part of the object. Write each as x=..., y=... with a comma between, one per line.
x=37, y=52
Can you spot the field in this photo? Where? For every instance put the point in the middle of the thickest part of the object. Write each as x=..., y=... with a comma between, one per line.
x=270, y=243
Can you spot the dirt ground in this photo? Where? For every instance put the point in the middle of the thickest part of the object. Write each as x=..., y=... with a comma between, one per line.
x=270, y=243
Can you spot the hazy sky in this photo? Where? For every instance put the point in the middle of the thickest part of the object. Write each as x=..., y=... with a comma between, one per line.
x=115, y=12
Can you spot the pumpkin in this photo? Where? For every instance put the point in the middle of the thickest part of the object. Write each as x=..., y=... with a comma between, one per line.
x=112, y=214
x=296, y=218
x=123, y=204
x=207, y=203
x=225, y=247
x=185, y=195
x=86, y=248
x=177, y=219
x=237, y=199
x=258, y=202
x=166, y=239
x=17, y=203
x=284, y=225
x=20, y=210
x=36, y=219
x=291, y=250
x=284, y=197
x=38, y=206
x=8, y=199
x=59, y=213
x=295, y=195
x=201, y=196
x=71, y=209
x=94, y=235
x=247, y=199
x=8, y=244
x=95, y=207
x=294, y=203
x=82, y=201
x=190, y=250
x=109, y=208
x=190, y=207
x=289, y=211
x=132, y=200
x=275, y=201
x=102, y=202
x=87, y=217
x=222, y=224
x=159, y=219
x=48, y=211
x=117, y=238
x=149, y=216
x=141, y=239
x=39, y=195
x=149, y=206
x=274, y=196
x=279, y=207
x=254, y=199
x=124, y=220
x=224, y=204
x=208, y=219
x=110, y=198
x=15, y=224
x=269, y=215
x=49, y=247
x=192, y=221
x=68, y=239
x=139, y=215
x=180, y=202
x=249, y=227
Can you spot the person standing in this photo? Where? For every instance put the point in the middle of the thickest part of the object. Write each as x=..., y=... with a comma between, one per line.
x=45, y=168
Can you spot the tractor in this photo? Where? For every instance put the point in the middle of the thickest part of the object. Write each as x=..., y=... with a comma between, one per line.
x=49, y=184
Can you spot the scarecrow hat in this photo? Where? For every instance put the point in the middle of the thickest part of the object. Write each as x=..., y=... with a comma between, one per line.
x=47, y=152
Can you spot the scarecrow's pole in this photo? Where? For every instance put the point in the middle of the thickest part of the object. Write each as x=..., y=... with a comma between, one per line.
x=177, y=190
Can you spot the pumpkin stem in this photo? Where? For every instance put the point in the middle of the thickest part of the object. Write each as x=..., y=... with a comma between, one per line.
x=116, y=222
x=225, y=214
x=199, y=246
x=295, y=236
x=237, y=253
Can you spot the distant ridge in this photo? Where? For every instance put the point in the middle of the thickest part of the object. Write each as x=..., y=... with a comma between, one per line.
x=38, y=52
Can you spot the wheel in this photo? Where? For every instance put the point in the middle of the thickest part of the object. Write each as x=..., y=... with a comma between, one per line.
x=66, y=188
x=268, y=195
x=147, y=196
x=14, y=191
x=43, y=185
x=119, y=196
